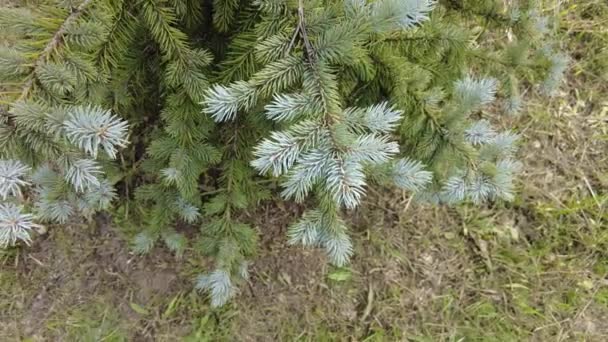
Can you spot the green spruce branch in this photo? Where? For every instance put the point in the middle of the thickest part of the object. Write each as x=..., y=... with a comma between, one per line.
x=54, y=43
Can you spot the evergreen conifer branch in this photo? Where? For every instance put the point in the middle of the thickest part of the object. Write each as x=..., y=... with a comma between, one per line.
x=12, y=178
x=92, y=128
x=160, y=22
x=15, y=225
x=53, y=45
x=55, y=42
x=330, y=98
x=120, y=35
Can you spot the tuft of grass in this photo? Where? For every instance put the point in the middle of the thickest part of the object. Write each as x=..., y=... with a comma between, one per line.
x=93, y=321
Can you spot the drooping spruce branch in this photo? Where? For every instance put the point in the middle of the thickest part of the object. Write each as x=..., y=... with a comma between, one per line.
x=309, y=94
x=54, y=43
x=53, y=137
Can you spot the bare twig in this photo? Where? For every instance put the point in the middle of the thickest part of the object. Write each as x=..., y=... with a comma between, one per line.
x=293, y=39
x=370, y=303
x=301, y=31
x=310, y=53
x=597, y=202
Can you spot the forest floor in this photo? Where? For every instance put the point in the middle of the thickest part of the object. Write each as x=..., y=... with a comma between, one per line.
x=532, y=270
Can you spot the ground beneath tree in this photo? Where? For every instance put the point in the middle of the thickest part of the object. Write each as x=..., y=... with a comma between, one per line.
x=535, y=269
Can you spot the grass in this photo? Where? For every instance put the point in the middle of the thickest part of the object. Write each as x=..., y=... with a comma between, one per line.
x=532, y=270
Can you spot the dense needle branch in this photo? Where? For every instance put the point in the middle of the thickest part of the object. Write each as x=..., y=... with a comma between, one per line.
x=332, y=97
x=51, y=46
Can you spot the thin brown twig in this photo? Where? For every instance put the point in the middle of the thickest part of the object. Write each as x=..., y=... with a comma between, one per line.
x=310, y=53
x=293, y=39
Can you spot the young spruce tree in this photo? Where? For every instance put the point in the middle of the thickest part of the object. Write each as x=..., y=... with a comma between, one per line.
x=225, y=97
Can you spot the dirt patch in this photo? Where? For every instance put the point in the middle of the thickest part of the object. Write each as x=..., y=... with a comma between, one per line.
x=73, y=265
x=592, y=321
x=290, y=289
x=153, y=284
x=285, y=280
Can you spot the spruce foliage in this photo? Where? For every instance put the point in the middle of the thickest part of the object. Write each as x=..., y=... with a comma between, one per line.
x=184, y=113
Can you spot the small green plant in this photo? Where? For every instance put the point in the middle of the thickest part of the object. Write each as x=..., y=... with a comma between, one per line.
x=327, y=98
